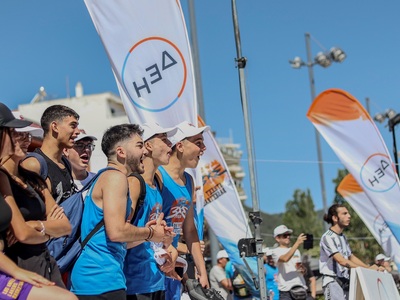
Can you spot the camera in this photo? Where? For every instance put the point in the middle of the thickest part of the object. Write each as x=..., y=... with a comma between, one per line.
x=247, y=247
x=309, y=242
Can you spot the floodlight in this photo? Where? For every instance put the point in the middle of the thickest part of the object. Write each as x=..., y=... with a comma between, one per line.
x=323, y=60
x=296, y=63
x=337, y=54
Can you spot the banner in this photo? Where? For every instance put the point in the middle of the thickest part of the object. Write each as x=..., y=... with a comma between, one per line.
x=352, y=192
x=223, y=209
x=148, y=47
x=147, y=44
x=354, y=137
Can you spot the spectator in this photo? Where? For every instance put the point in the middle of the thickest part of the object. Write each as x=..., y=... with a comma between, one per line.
x=218, y=279
x=60, y=126
x=384, y=261
x=271, y=275
x=287, y=259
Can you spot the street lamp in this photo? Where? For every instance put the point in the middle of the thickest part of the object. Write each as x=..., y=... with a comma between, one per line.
x=324, y=59
x=393, y=120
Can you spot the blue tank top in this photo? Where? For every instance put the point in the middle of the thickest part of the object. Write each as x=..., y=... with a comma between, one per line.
x=140, y=268
x=176, y=202
x=98, y=269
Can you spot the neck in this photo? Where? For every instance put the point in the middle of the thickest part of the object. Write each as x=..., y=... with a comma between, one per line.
x=175, y=169
x=52, y=151
x=337, y=229
x=118, y=166
x=150, y=170
x=79, y=174
x=11, y=165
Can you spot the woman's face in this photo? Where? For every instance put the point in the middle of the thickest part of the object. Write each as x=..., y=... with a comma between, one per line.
x=6, y=144
x=21, y=140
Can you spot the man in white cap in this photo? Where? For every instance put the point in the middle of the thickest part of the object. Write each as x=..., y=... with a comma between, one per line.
x=79, y=157
x=288, y=261
x=33, y=129
x=178, y=195
x=218, y=279
x=383, y=261
x=146, y=263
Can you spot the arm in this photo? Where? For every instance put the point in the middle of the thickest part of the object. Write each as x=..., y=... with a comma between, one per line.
x=352, y=262
x=21, y=230
x=288, y=255
x=193, y=243
x=313, y=287
x=55, y=227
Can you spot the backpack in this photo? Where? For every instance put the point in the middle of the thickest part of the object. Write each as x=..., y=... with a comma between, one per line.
x=66, y=249
x=197, y=292
x=142, y=195
x=239, y=286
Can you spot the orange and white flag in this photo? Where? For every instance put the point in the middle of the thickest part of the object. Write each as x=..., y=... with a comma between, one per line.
x=354, y=137
x=352, y=192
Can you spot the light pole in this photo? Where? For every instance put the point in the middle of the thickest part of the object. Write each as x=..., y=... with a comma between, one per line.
x=393, y=120
x=324, y=59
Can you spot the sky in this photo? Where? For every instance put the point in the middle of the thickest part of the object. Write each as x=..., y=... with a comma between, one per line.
x=54, y=44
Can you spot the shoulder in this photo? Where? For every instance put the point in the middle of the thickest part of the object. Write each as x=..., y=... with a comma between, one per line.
x=31, y=163
x=112, y=178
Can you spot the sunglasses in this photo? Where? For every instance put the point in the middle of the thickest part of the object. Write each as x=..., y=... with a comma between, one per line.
x=286, y=235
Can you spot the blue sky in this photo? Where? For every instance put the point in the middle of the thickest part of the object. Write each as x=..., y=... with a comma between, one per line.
x=49, y=43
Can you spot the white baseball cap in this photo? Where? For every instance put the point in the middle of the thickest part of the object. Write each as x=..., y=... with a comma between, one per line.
x=222, y=254
x=83, y=135
x=185, y=130
x=33, y=129
x=281, y=229
x=150, y=129
x=381, y=256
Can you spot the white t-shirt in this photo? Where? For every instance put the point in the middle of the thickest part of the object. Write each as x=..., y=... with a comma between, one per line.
x=288, y=275
x=217, y=274
x=332, y=243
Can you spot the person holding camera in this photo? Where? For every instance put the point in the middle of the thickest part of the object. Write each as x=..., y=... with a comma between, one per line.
x=291, y=283
x=336, y=257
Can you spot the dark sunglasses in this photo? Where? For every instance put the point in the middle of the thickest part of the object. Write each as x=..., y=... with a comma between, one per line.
x=285, y=235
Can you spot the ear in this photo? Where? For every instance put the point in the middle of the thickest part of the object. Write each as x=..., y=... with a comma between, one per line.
x=335, y=219
x=66, y=152
x=148, y=146
x=120, y=151
x=180, y=146
x=54, y=126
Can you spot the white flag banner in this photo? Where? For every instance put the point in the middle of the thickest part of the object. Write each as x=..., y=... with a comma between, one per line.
x=147, y=44
x=352, y=192
x=223, y=209
x=354, y=137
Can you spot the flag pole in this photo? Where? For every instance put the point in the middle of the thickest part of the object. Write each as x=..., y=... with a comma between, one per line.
x=255, y=215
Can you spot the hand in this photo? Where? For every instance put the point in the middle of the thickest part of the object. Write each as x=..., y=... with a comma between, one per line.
x=173, y=275
x=204, y=281
x=161, y=230
x=32, y=278
x=169, y=264
x=202, y=247
x=56, y=213
x=301, y=238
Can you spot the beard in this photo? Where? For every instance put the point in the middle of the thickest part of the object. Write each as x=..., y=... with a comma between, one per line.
x=134, y=164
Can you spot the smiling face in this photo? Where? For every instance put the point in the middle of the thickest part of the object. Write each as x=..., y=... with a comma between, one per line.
x=192, y=148
x=67, y=131
x=283, y=239
x=134, y=152
x=160, y=148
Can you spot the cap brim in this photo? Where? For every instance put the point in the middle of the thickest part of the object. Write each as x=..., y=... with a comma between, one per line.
x=38, y=132
x=16, y=123
x=85, y=137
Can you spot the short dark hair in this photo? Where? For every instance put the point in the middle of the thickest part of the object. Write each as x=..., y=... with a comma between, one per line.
x=332, y=211
x=56, y=113
x=116, y=134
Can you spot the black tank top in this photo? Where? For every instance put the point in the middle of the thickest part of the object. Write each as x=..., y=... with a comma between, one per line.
x=5, y=215
x=62, y=183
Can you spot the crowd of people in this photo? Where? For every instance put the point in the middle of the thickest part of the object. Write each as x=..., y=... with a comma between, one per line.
x=134, y=255
x=288, y=274
x=137, y=251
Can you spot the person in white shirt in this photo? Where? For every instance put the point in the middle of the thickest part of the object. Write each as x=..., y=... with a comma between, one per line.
x=218, y=279
x=288, y=261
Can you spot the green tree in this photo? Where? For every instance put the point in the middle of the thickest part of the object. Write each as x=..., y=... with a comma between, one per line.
x=361, y=241
x=300, y=214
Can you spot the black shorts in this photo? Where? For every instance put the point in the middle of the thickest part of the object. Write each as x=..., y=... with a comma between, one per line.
x=113, y=295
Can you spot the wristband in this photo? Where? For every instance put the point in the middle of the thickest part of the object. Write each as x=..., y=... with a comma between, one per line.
x=151, y=233
x=43, y=230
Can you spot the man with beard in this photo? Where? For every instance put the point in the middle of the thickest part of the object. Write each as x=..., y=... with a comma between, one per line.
x=178, y=193
x=60, y=126
x=336, y=257
x=79, y=157
x=146, y=263
x=98, y=272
